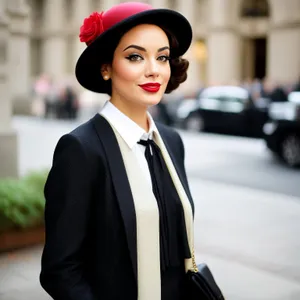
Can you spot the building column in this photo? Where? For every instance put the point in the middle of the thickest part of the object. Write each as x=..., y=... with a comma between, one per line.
x=192, y=84
x=82, y=10
x=284, y=41
x=54, y=46
x=8, y=137
x=159, y=3
x=224, y=43
x=19, y=51
x=107, y=4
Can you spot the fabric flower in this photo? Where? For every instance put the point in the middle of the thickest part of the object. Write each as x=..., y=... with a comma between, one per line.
x=91, y=28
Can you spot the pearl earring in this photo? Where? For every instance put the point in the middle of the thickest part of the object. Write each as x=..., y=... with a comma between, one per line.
x=106, y=77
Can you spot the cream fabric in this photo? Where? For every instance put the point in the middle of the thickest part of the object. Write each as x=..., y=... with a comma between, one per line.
x=147, y=219
x=147, y=224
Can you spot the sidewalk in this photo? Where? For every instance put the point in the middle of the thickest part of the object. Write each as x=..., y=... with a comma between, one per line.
x=250, y=242
x=19, y=273
x=249, y=239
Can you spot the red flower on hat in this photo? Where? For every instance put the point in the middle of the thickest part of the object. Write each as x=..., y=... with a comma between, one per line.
x=91, y=28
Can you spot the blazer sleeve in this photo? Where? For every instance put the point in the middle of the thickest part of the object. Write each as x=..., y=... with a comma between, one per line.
x=68, y=194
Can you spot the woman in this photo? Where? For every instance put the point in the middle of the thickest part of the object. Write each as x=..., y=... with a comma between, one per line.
x=119, y=213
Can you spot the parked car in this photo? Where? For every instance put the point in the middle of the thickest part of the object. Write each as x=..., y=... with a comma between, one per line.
x=224, y=109
x=165, y=111
x=282, y=132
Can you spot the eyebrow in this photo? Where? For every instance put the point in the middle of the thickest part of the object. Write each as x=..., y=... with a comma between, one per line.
x=143, y=49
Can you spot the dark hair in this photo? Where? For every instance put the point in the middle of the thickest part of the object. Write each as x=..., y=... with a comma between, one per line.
x=178, y=65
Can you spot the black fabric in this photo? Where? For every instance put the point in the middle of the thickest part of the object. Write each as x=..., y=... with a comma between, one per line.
x=173, y=284
x=174, y=246
x=90, y=247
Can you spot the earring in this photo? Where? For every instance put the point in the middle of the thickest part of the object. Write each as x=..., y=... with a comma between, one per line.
x=105, y=77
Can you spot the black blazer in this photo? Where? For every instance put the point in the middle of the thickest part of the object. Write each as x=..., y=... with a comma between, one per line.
x=90, y=249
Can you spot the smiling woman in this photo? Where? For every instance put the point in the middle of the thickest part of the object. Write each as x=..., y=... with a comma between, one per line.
x=119, y=213
x=140, y=70
x=178, y=65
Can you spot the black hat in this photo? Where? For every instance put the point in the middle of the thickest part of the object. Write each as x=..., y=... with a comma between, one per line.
x=102, y=32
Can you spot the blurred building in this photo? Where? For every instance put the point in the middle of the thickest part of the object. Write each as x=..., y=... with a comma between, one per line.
x=233, y=39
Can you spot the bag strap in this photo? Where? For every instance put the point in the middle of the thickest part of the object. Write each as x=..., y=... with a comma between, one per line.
x=195, y=268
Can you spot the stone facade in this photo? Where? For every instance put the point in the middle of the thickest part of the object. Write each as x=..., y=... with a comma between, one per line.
x=230, y=37
x=8, y=138
x=233, y=40
x=19, y=53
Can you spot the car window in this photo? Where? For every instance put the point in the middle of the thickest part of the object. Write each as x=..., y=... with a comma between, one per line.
x=225, y=91
x=283, y=111
x=223, y=103
x=294, y=97
x=233, y=104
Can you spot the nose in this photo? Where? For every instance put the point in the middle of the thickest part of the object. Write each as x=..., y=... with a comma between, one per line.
x=152, y=68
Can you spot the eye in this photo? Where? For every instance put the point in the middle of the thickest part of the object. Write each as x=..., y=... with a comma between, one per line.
x=163, y=58
x=134, y=57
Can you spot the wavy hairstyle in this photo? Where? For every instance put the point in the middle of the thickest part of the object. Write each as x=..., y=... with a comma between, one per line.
x=179, y=65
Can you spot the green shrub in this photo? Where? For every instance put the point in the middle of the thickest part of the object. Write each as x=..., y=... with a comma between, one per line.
x=22, y=201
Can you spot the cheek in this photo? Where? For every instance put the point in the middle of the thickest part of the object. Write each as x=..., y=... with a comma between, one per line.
x=167, y=74
x=122, y=71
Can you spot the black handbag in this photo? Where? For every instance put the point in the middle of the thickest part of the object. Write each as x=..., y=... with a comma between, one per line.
x=201, y=284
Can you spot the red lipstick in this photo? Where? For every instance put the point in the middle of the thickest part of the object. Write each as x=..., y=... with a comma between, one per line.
x=151, y=87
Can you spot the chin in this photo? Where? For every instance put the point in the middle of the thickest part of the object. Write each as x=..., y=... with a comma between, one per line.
x=152, y=100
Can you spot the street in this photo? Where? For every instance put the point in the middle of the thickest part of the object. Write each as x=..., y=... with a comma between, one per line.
x=247, y=214
x=225, y=159
x=238, y=161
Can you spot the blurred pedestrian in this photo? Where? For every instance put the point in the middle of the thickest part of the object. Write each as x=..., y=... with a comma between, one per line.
x=119, y=213
x=278, y=94
x=51, y=99
x=40, y=89
x=297, y=86
x=70, y=103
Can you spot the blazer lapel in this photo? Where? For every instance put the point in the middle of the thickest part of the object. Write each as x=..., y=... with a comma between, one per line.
x=120, y=182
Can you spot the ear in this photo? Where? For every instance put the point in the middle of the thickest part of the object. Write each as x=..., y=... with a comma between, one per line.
x=106, y=71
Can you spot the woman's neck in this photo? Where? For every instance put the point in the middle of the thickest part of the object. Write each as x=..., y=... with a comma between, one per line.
x=137, y=114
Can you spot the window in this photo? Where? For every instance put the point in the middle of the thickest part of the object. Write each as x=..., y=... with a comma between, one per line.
x=69, y=54
x=96, y=5
x=37, y=11
x=255, y=8
x=3, y=52
x=69, y=9
x=172, y=4
x=36, y=56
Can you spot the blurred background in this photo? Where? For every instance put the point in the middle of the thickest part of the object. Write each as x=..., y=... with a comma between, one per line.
x=238, y=114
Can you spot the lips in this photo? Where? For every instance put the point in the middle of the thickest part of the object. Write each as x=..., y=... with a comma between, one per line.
x=151, y=87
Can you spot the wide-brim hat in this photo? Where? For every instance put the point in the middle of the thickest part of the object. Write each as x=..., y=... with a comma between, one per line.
x=102, y=32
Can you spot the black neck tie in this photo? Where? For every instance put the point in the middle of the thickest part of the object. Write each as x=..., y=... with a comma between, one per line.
x=173, y=238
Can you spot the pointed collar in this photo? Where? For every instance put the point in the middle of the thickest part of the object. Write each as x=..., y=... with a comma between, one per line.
x=128, y=129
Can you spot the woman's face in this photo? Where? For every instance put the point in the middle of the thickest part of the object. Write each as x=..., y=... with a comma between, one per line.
x=140, y=70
